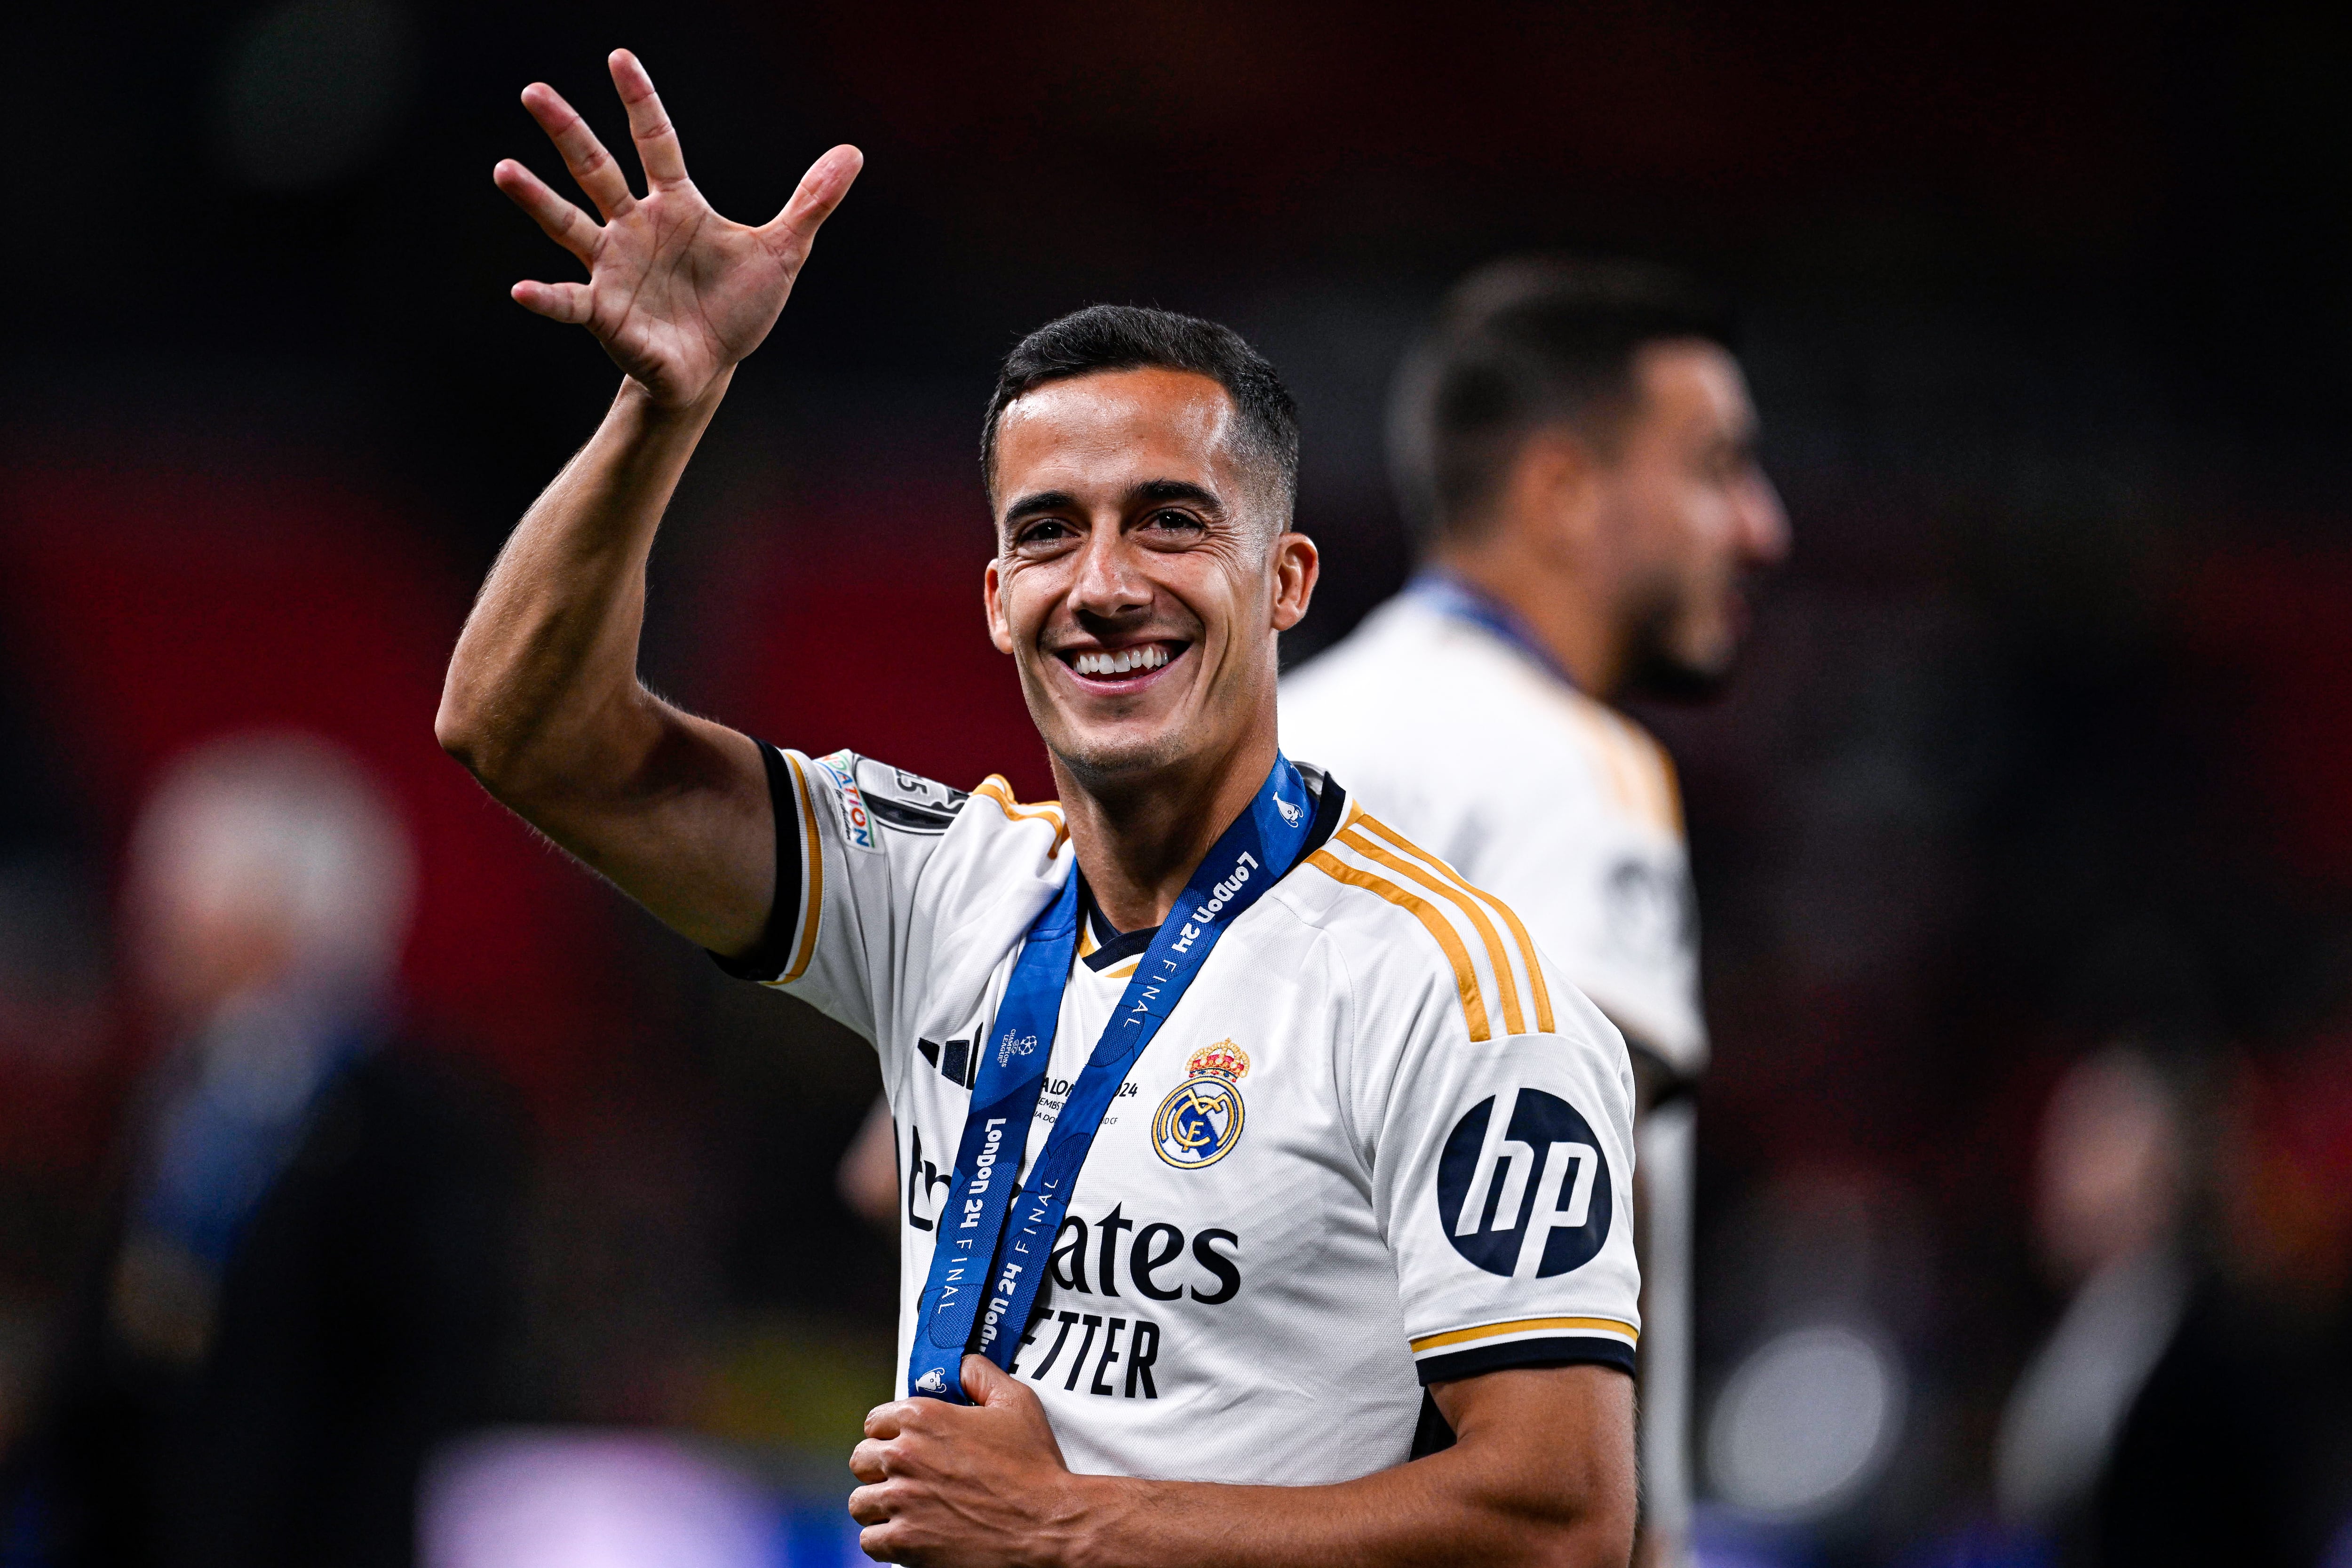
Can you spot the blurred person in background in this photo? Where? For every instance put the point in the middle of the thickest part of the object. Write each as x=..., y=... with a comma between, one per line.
x=868, y=1177
x=301, y=1293
x=2159, y=1423
x=1574, y=445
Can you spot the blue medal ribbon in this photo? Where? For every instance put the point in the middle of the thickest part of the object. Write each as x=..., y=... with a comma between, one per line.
x=1450, y=596
x=986, y=1272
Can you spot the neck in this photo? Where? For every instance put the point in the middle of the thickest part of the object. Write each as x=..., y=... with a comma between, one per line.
x=1139, y=837
x=1565, y=611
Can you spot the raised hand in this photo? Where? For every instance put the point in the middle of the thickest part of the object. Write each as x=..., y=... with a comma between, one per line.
x=676, y=293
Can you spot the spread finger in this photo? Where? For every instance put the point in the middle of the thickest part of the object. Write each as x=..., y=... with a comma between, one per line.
x=564, y=222
x=591, y=166
x=649, y=126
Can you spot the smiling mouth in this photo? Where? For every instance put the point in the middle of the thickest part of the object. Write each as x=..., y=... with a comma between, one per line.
x=1122, y=668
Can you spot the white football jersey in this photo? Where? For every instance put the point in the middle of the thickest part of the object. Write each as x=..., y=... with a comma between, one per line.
x=1379, y=1142
x=1552, y=801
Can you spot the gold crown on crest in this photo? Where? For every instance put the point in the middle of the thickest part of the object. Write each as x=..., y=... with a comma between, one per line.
x=1224, y=1058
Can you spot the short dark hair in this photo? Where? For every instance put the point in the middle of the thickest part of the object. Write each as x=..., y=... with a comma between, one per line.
x=1136, y=337
x=1518, y=345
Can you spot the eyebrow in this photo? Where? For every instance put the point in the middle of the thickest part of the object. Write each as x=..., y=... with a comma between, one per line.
x=1148, y=491
x=1177, y=490
x=1041, y=501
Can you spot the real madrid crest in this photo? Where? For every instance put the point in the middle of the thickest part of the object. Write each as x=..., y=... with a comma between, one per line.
x=1200, y=1122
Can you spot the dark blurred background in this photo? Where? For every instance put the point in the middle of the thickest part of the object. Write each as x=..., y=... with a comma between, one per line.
x=2045, y=745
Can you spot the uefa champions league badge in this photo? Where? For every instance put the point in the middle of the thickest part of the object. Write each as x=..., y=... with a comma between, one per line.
x=1200, y=1122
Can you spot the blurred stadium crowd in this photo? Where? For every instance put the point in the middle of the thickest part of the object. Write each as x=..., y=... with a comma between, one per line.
x=2024, y=840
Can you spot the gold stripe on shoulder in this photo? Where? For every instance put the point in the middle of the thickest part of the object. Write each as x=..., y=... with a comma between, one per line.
x=1355, y=838
x=1672, y=782
x=1636, y=767
x=1536, y=986
x=1466, y=978
x=1545, y=1023
x=995, y=787
x=1523, y=1326
x=1606, y=746
x=812, y=859
x=1653, y=771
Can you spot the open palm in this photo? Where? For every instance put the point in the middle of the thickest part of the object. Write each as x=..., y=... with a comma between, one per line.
x=676, y=293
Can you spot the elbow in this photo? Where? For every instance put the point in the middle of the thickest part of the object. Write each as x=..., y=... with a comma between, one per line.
x=1596, y=1531
x=1603, y=1549
x=521, y=758
x=454, y=729
x=459, y=732
x=1591, y=1543
x=466, y=733
x=1604, y=1538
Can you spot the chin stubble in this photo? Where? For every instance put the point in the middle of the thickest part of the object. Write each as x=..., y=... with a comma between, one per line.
x=1655, y=670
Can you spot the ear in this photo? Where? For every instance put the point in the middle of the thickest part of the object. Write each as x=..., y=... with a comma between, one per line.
x=991, y=597
x=1555, y=495
x=1297, y=565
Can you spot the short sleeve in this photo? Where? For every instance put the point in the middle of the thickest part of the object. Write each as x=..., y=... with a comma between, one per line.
x=1503, y=1168
x=873, y=865
x=1610, y=898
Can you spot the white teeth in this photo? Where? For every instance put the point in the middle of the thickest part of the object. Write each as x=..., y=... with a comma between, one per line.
x=1149, y=657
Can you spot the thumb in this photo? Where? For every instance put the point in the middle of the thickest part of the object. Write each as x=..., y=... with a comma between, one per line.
x=985, y=1383
x=819, y=191
x=990, y=1388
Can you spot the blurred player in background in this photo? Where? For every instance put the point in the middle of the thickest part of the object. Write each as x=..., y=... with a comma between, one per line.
x=300, y=1295
x=1575, y=448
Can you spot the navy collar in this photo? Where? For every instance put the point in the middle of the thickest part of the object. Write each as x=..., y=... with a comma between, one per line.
x=1449, y=595
x=1110, y=946
x=1113, y=946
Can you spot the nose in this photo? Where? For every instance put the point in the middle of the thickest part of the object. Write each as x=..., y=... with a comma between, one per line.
x=1763, y=522
x=1108, y=586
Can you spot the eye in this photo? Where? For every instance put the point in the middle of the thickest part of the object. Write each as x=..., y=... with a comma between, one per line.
x=1041, y=531
x=1174, y=520
x=1729, y=465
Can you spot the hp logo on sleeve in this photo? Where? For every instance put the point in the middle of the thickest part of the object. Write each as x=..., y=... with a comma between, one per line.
x=1522, y=1189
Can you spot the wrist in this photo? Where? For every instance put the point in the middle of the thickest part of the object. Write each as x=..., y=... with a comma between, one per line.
x=1083, y=1528
x=643, y=403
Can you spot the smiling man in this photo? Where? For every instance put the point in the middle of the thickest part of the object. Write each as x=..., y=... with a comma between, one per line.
x=1249, y=1154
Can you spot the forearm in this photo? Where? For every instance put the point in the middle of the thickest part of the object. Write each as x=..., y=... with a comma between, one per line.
x=1540, y=1473
x=543, y=703
x=1432, y=1511
x=543, y=690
